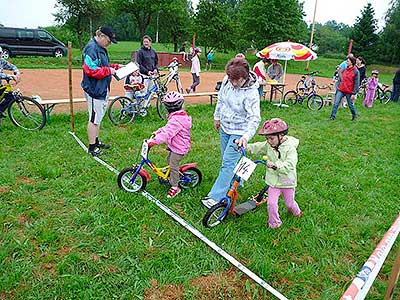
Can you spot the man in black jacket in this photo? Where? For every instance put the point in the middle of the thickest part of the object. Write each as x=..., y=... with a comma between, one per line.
x=147, y=59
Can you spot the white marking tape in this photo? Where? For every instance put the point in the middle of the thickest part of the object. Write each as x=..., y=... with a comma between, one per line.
x=196, y=232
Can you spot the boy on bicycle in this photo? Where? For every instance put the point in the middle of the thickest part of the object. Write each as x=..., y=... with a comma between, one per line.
x=5, y=65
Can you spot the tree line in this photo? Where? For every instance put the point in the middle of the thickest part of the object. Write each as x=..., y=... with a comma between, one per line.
x=229, y=25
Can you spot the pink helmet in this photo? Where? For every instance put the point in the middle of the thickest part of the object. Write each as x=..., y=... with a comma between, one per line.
x=274, y=126
x=240, y=55
x=173, y=101
x=197, y=49
x=375, y=72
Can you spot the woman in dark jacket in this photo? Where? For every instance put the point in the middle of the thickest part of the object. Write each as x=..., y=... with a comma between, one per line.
x=347, y=86
x=396, y=87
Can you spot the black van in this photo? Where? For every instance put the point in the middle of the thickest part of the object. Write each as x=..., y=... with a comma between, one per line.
x=23, y=41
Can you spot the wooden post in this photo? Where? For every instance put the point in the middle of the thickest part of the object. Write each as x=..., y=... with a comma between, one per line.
x=394, y=277
x=350, y=47
x=71, y=101
x=312, y=33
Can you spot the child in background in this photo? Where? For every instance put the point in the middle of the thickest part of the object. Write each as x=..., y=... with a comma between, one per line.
x=173, y=65
x=176, y=134
x=371, y=89
x=133, y=84
x=281, y=175
x=210, y=57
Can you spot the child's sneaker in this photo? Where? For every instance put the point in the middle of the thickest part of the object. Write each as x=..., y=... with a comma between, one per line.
x=173, y=191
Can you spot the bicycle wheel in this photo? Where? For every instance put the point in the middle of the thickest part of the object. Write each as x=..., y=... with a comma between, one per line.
x=122, y=111
x=190, y=178
x=27, y=113
x=161, y=109
x=386, y=97
x=125, y=183
x=315, y=102
x=300, y=85
x=290, y=98
x=214, y=215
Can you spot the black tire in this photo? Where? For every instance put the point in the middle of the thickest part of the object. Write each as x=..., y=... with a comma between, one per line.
x=190, y=178
x=262, y=194
x=210, y=219
x=6, y=53
x=386, y=97
x=122, y=111
x=124, y=178
x=27, y=113
x=300, y=85
x=161, y=109
x=58, y=53
x=315, y=102
x=290, y=98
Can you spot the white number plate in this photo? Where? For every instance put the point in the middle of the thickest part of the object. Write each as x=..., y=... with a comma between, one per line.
x=145, y=149
x=244, y=168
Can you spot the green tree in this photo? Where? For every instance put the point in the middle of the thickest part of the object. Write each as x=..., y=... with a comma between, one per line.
x=331, y=37
x=79, y=16
x=265, y=22
x=175, y=21
x=365, y=38
x=390, y=38
x=214, y=27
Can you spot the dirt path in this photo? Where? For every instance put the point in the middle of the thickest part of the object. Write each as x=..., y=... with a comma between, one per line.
x=53, y=84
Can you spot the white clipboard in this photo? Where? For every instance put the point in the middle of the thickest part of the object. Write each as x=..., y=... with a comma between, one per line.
x=125, y=71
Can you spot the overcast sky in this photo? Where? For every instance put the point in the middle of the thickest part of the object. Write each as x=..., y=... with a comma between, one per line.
x=34, y=13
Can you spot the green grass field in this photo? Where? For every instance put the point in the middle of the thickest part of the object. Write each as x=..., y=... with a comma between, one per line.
x=68, y=232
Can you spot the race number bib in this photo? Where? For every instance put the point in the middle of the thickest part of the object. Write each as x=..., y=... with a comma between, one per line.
x=145, y=150
x=244, y=168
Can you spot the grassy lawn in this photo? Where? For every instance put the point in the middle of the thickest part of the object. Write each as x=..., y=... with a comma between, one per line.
x=68, y=232
x=122, y=52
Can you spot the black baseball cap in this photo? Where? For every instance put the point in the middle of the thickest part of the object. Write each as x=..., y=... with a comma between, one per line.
x=109, y=32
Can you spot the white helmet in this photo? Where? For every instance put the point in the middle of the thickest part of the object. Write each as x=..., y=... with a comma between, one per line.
x=1, y=50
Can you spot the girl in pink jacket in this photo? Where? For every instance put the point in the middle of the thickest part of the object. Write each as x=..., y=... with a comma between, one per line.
x=176, y=134
x=371, y=89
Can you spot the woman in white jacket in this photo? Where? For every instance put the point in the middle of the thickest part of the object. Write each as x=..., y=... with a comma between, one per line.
x=236, y=117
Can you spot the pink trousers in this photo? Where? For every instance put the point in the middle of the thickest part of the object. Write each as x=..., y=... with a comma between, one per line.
x=288, y=195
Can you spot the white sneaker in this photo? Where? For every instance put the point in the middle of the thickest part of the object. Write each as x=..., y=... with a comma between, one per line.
x=208, y=202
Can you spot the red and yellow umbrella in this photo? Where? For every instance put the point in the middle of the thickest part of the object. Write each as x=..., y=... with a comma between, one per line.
x=287, y=51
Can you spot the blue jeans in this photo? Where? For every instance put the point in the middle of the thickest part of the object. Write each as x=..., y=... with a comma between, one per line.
x=230, y=158
x=261, y=91
x=338, y=96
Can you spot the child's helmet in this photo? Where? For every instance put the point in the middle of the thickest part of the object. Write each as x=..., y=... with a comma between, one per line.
x=173, y=101
x=174, y=58
x=375, y=72
x=274, y=126
x=1, y=50
x=197, y=50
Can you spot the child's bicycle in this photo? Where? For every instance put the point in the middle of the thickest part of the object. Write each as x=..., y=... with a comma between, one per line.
x=135, y=178
x=305, y=90
x=383, y=93
x=24, y=112
x=217, y=213
x=123, y=110
x=173, y=74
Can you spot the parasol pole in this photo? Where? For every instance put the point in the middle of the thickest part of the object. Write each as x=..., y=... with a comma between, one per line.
x=284, y=72
x=312, y=33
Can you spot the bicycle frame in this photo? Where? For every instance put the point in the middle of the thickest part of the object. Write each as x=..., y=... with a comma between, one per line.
x=162, y=172
x=232, y=194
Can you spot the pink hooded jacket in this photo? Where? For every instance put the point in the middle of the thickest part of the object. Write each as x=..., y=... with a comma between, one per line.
x=176, y=134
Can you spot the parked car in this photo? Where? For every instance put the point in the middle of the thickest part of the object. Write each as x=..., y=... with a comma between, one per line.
x=23, y=41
